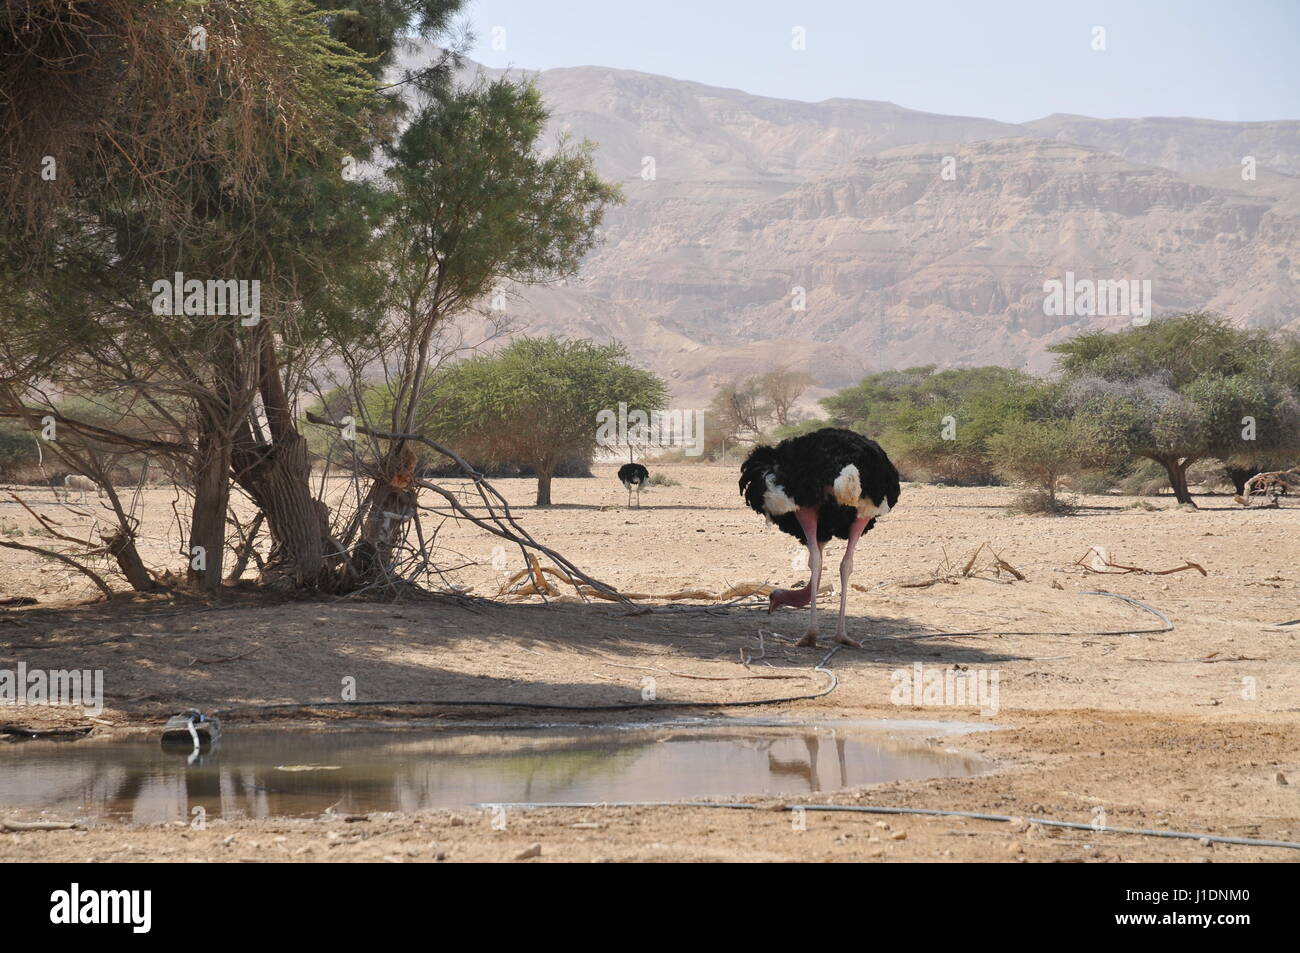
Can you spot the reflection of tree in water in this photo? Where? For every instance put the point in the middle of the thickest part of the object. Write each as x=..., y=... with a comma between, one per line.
x=368, y=777
x=414, y=770
x=562, y=765
x=135, y=779
x=50, y=783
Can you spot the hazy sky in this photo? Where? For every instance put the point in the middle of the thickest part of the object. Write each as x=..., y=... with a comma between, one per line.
x=1012, y=60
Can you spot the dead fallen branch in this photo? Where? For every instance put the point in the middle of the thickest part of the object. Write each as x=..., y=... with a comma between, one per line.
x=948, y=573
x=17, y=826
x=916, y=582
x=1208, y=660
x=1102, y=564
x=534, y=583
x=47, y=734
x=218, y=661
x=1269, y=486
x=701, y=595
x=744, y=589
x=70, y=645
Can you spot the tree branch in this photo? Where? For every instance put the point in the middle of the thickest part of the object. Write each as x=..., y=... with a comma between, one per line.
x=506, y=528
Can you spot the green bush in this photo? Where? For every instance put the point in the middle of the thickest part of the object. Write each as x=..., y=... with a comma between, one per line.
x=1037, y=501
x=18, y=450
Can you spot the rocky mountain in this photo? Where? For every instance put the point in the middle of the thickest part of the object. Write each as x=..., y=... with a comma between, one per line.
x=1185, y=145
x=848, y=235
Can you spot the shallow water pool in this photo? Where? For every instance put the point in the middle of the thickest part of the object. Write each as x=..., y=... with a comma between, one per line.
x=296, y=772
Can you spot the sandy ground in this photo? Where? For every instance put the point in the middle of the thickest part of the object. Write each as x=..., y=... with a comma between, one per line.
x=1193, y=729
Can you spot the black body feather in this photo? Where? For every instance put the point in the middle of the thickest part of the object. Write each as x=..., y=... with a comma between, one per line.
x=633, y=474
x=805, y=468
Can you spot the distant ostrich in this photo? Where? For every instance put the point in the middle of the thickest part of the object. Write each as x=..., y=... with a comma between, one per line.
x=633, y=475
x=828, y=483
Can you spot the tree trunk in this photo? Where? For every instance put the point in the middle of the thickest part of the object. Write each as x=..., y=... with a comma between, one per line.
x=207, y=545
x=122, y=547
x=544, y=488
x=277, y=478
x=391, y=509
x=389, y=506
x=1177, y=470
x=246, y=549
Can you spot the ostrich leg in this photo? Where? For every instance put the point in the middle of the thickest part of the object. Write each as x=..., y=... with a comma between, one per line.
x=808, y=522
x=846, y=570
x=629, y=495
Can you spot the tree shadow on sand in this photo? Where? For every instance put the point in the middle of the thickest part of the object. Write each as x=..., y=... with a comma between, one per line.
x=160, y=658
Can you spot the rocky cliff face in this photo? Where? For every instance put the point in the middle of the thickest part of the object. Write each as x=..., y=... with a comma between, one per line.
x=1185, y=145
x=847, y=236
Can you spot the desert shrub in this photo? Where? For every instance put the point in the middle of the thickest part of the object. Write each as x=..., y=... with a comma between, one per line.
x=1039, y=453
x=1038, y=501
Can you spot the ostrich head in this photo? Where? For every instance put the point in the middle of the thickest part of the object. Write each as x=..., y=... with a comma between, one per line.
x=788, y=597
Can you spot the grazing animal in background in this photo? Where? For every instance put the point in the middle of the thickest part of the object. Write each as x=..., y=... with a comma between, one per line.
x=633, y=475
x=75, y=481
x=829, y=483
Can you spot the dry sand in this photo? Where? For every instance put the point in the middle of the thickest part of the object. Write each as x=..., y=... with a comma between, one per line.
x=1194, y=729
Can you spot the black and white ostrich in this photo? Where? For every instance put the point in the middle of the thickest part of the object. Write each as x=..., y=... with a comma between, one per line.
x=633, y=475
x=831, y=482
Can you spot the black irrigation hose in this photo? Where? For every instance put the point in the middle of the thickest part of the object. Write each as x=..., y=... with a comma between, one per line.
x=934, y=812
x=642, y=706
x=547, y=706
x=1167, y=627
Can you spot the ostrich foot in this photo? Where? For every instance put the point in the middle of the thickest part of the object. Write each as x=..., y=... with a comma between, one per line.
x=843, y=639
x=809, y=640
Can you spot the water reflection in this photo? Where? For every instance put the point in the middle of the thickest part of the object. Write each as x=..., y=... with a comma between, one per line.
x=275, y=773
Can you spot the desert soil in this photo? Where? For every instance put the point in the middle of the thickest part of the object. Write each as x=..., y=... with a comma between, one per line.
x=1193, y=729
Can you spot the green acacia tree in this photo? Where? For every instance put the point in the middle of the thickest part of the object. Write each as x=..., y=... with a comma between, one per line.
x=219, y=138
x=536, y=402
x=475, y=204
x=208, y=120
x=1182, y=389
x=940, y=421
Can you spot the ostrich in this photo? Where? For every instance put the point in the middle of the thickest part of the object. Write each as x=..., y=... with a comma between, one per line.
x=828, y=483
x=633, y=475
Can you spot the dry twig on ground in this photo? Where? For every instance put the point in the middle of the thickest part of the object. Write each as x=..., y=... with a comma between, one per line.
x=1102, y=564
